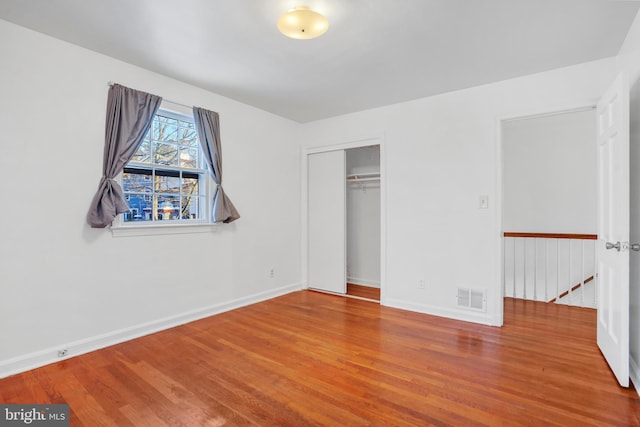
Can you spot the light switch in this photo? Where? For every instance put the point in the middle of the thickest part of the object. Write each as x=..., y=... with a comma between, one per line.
x=483, y=202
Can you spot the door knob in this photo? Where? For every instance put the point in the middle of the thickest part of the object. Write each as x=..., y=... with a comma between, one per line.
x=615, y=246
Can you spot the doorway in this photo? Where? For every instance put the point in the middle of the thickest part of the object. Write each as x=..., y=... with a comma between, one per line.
x=549, y=216
x=344, y=219
x=612, y=246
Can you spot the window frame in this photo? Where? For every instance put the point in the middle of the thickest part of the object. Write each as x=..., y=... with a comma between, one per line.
x=120, y=227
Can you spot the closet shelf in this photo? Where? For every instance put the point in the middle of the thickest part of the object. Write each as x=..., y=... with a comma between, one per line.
x=364, y=177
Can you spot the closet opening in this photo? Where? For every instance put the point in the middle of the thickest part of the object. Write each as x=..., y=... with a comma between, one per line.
x=344, y=220
x=363, y=222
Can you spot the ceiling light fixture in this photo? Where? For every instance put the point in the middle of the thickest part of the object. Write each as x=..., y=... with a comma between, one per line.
x=302, y=23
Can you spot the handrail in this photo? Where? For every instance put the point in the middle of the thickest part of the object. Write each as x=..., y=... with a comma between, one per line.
x=552, y=235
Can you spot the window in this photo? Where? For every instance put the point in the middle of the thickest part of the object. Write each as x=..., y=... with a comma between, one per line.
x=166, y=181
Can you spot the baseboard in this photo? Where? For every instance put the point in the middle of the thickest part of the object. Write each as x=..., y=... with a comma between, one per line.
x=449, y=313
x=634, y=373
x=364, y=282
x=50, y=355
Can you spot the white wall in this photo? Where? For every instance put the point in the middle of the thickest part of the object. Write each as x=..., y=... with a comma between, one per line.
x=441, y=154
x=363, y=218
x=629, y=61
x=549, y=173
x=64, y=284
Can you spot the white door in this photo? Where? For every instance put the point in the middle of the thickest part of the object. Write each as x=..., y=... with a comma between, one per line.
x=613, y=228
x=327, y=222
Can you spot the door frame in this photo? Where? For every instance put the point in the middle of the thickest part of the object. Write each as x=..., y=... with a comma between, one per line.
x=346, y=145
x=499, y=242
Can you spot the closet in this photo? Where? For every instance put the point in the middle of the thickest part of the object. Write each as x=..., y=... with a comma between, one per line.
x=344, y=220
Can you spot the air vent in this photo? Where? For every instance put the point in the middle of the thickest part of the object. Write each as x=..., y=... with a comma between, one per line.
x=472, y=299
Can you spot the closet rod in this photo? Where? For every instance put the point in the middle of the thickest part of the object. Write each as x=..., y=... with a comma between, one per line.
x=190, y=107
x=364, y=175
x=363, y=179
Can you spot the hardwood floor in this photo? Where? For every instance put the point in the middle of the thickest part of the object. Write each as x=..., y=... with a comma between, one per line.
x=363, y=291
x=309, y=358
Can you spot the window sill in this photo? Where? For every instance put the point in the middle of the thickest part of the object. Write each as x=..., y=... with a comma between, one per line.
x=158, y=230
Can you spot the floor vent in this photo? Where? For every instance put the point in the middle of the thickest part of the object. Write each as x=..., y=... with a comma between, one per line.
x=473, y=299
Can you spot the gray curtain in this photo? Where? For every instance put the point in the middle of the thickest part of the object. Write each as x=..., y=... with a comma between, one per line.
x=208, y=127
x=129, y=116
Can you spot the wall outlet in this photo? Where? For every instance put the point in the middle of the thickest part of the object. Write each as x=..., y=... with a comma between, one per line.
x=63, y=352
x=421, y=284
x=272, y=273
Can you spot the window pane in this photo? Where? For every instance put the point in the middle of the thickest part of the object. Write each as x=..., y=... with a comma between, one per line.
x=168, y=208
x=140, y=206
x=188, y=135
x=143, y=153
x=166, y=154
x=165, y=129
x=189, y=157
x=190, y=186
x=167, y=184
x=137, y=182
x=190, y=207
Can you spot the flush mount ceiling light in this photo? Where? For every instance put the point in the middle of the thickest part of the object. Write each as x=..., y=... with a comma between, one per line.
x=302, y=23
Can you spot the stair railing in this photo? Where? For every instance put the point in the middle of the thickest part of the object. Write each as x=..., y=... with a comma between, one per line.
x=551, y=267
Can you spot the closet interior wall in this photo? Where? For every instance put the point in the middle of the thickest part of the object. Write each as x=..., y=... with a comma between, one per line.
x=363, y=215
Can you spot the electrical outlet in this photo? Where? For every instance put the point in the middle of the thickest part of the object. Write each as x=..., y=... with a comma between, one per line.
x=272, y=273
x=421, y=284
x=63, y=352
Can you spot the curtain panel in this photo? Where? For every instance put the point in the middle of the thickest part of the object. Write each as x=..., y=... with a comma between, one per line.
x=208, y=127
x=129, y=116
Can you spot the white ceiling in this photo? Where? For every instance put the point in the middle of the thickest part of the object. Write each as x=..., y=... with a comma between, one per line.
x=376, y=52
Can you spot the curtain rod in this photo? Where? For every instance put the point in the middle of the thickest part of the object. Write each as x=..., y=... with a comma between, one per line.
x=190, y=107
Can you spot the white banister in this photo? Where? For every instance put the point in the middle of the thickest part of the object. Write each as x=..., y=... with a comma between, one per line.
x=569, y=275
x=514, y=267
x=535, y=269
x=524, y=269
x=573, y=266
x=557, y=269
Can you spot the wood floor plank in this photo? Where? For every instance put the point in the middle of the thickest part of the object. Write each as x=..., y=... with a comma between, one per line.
x=368, y=292
x=309, y=358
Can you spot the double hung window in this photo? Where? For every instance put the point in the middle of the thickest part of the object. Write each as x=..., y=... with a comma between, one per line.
x=166, y=180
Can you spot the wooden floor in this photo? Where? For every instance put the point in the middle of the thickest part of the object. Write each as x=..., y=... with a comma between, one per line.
x=309, y=358
x=363, y=291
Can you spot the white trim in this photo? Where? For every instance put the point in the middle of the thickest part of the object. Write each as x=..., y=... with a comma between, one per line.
x=164, y=229
x=50, y=355
x=346, y=145
x=304, y=217
x=499, y=192
x=383, y=218
x=447, y=313
x=363, y=282
x=549, y=111
x=634, y=373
